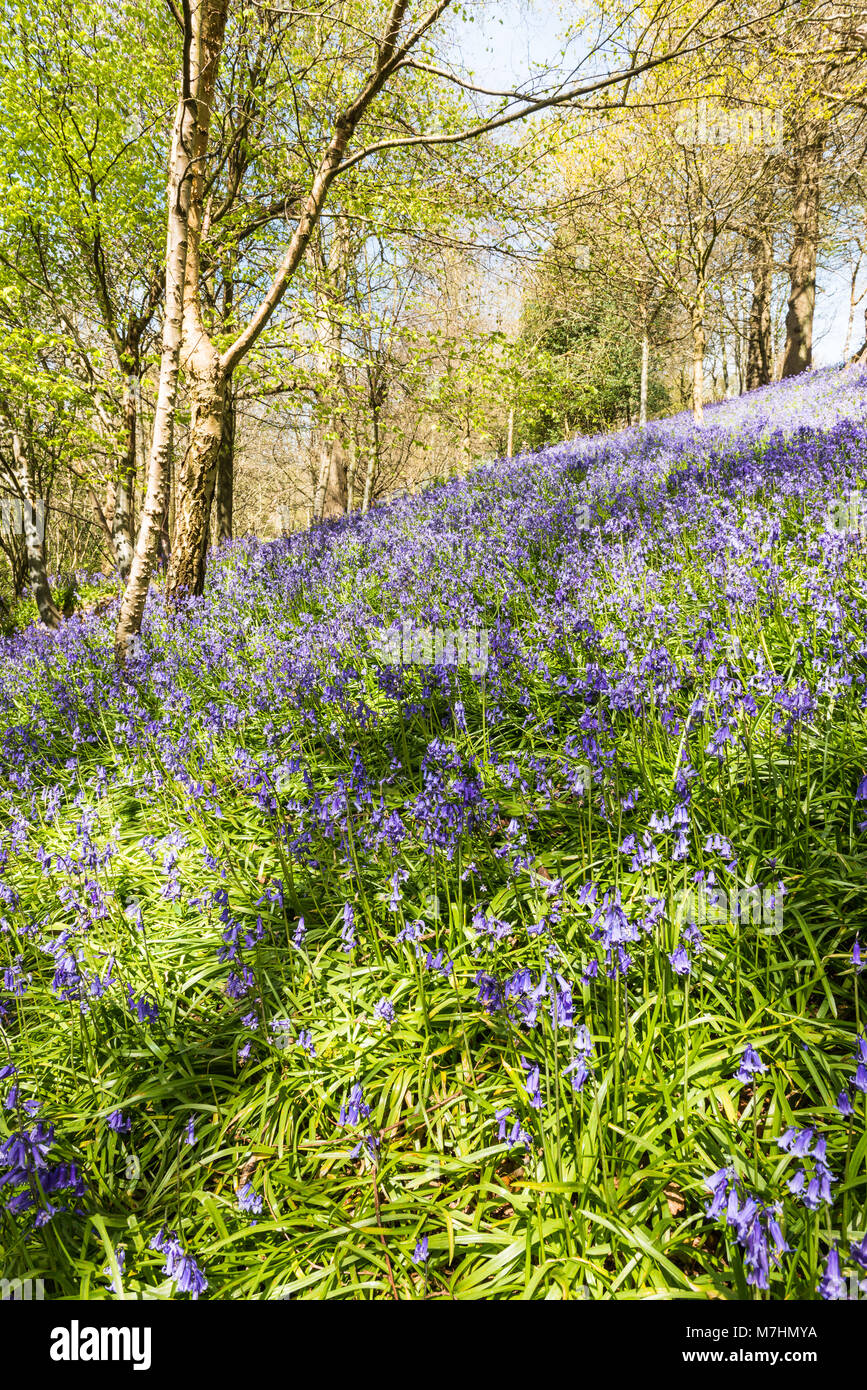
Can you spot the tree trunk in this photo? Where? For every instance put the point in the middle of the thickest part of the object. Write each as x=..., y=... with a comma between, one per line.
x=33, y=526
x=334, y=502
x=226, y=471
x=124, y=493
x=204, y=28
x=350, y=474
x=810, y=143
x=368, y=485
x=759, y=350
x=321, y=480
x=195, y=491
x=724, y=362
x=698, y=345
x=162, y=439
x=201, y=362
x=164, y=541
x=372, y=460
x=645, y=364
x=331, y=489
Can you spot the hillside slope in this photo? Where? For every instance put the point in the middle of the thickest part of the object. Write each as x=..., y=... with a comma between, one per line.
x=486, y=871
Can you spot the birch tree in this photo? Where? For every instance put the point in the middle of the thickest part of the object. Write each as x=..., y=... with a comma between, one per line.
x=358, y=129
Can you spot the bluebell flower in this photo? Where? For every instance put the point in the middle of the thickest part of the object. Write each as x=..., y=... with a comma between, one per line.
x=858, y=1252
x=120, y=1257
x=751, y=1065
x=249, y=1200
x=680, y=961
x=832, y=1285
x=518, y=1137
x=187, y=1275
x=347, y=931
x=355, y=1108
x=384, y=1010
x=797, y=1182
x=532, y=1083
x=420, y=1253
x=144, y=1008
x=240, y=983
x=579, y=1073
x=776, y=1234
x=119, y=1122
x=439, y=964
x=718, y=1183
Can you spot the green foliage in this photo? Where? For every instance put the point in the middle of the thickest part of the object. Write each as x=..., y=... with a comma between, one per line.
x=583, y=369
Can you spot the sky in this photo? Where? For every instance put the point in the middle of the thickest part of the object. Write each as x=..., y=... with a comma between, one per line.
x=512, y=39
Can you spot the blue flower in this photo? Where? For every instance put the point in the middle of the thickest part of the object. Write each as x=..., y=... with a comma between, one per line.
x=355, y=1109
x=347, y=932
x=680, y=961
x=384, y=1010
x=248, y=1200
x=187, y=1275
x=420, y=1253
x=858, y=1253
x=532, y=1083
x=718, y=1183
x=180, y=1267
x=120, y=1257
x=832, y=1284
x=751, y=1065
x=239, y=984
x=579, y=1073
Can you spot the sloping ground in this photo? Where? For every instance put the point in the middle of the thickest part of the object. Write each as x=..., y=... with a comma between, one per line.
x=335, y=970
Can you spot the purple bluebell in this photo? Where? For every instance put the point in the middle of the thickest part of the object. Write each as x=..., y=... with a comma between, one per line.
x=832, y=1285
x=384, y=1010
x=751, y=1065
x=249, y=1200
